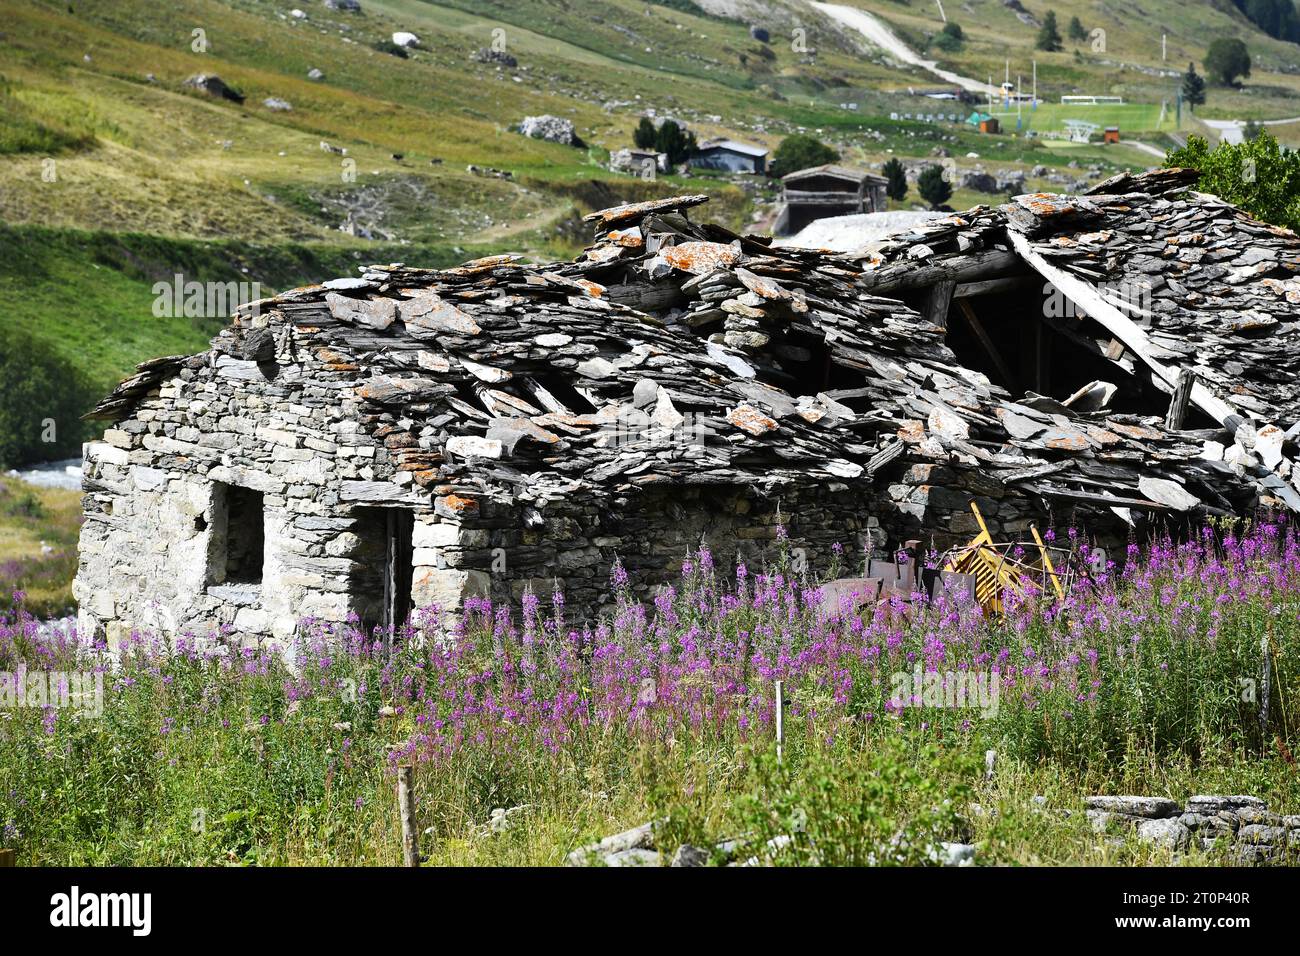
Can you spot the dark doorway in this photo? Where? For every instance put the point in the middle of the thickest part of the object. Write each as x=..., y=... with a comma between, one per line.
x=398, y=556
x=384, y=566
x=238, y=550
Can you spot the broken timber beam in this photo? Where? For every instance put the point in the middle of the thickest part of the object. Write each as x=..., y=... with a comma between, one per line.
x=969, y=290
x=1124, y=329
x=987, y=343
x=937, y=300
x=1177, y=413
x=965, y=267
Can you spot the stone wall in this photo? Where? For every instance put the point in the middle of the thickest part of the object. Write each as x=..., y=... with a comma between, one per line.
x=153, y=554
x=498, y=550
x=158, y=539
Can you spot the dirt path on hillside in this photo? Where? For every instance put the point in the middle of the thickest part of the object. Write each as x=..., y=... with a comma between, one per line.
x=879, y=35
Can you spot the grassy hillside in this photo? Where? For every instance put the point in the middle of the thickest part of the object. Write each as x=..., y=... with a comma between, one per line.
x=114, y=174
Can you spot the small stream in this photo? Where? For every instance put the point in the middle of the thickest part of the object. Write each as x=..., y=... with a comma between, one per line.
x=51, y=474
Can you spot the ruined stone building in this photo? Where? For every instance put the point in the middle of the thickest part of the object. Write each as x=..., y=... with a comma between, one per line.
x=410, y=437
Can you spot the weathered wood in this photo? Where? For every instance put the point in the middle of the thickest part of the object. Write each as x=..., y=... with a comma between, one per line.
x=970, y=290
x=8, y=858
x=1177, y=412
x=406, y=807
x=971, y=267
x=937, y=300
x=982, y=335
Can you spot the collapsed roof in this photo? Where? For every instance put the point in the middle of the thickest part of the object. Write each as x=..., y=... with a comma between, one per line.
x=679, y=352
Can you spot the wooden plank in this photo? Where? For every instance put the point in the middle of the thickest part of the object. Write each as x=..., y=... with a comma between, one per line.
x=987, y=343
x=969, y=290
x=1177, y=413
x=937, y=300
x=1123, y=328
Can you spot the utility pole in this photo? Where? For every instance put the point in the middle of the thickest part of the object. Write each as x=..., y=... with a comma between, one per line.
x=942, y=16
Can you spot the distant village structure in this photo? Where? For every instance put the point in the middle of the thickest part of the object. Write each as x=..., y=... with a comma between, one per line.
x=729, y=156
x=410, y=437
x=824, y=191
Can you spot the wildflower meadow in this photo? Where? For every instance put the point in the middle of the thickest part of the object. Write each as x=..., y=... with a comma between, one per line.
x=1171, y=672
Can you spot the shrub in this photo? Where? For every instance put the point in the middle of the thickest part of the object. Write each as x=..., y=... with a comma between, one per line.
x=1258, y=175
x=42, y=399
x=1227, y=59
x=800, y=151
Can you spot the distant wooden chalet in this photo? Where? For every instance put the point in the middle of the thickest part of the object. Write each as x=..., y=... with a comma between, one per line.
x=824, y=191
x=730, y=156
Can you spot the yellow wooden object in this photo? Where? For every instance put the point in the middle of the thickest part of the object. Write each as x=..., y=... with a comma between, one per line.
x=1047, y=563
x=995, y=568
x=993, y=573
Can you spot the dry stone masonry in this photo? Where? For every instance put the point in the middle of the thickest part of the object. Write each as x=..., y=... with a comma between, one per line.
x=410, y=437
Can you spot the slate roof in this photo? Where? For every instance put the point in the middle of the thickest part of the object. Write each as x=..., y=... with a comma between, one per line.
x=678, y=352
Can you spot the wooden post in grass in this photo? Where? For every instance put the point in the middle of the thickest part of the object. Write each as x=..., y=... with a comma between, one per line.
x=406, y=806
x=780, y=720
x=8, y=858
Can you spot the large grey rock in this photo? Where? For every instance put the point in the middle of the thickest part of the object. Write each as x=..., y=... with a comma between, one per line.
x=1207, y=804
x=1150, y=807
x=1167, y=833
x=638, y=838
x=632, y=857
x=1259, y=834
x=553, y=129
x=688, y=855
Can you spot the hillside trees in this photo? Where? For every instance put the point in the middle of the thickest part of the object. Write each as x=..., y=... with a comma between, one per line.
x=799, y=152
x=896, y=188
x=1049, y=37
x=678, y=143
x=933, y=187
x=1257, y=175
x=1193, y=87
x=645, y=133
x=1226, y=59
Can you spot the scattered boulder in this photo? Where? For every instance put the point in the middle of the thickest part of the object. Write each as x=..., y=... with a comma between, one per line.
x=760, y=34
x=315, y=74
x=1011, y=181
x=553, y=129
x=1150, y=807
x=688, y=855
x=214, y=85
x=978, y=180
x=404, y=39
x=277, y=104
x=346, y=6
x=489, y=55
x=1166, y=833
x=617, y=846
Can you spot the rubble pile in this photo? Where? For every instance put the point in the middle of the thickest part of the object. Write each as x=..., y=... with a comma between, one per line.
x=1244, y=823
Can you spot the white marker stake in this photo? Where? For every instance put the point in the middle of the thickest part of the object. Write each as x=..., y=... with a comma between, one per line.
x=942, y=16
x=780, y=720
